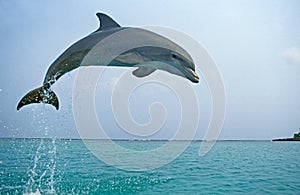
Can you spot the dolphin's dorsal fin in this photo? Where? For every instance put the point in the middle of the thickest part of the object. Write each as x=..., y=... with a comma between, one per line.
x=106, y=22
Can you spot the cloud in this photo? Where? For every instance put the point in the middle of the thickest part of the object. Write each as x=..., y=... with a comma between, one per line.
x=292, y=55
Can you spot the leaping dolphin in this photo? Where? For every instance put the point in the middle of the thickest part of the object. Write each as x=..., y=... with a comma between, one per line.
x=175, y=60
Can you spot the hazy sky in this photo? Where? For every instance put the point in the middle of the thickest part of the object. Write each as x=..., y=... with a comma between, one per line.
x=256, y=45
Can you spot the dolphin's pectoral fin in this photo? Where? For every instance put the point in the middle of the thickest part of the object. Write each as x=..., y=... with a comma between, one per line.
x=39, y=95
x=130, y=58
x=143, y=71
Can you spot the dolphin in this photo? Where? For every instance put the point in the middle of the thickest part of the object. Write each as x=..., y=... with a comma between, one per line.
x=169, y=57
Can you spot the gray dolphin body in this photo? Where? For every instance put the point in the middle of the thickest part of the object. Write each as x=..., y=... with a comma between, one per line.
x=175, y=60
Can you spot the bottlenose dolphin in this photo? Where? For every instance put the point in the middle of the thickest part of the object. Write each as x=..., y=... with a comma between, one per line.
x=173, y=58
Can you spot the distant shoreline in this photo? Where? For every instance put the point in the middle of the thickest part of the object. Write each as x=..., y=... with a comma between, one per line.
x=142, y=140
x=286, y=139
x=295, y=138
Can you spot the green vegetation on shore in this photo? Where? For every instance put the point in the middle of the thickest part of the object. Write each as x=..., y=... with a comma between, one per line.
x=295, y=138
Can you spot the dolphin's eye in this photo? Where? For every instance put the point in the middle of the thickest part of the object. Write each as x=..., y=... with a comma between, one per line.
x=174, y=56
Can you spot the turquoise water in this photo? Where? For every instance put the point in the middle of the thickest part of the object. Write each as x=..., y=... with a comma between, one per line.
x=68, y=167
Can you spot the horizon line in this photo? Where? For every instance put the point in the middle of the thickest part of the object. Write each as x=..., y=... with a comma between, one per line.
x=117, y=139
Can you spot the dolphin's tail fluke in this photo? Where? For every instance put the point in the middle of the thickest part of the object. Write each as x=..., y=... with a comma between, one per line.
x=40, y=95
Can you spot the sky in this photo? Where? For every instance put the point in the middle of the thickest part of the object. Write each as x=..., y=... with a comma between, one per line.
x=256, y=45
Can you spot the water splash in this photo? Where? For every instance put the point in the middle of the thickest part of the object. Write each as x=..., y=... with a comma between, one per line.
x=32, y=171
x=42, y=173
x=53, y=167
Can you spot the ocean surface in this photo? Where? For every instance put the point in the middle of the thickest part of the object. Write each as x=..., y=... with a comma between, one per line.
x=46, y=166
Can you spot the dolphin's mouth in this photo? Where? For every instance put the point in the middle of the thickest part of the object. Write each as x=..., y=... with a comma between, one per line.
x=192, y=76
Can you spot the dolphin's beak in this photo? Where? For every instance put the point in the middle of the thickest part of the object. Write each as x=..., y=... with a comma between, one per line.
x=189, y=70
x=192, y=76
